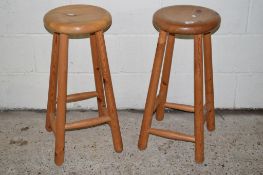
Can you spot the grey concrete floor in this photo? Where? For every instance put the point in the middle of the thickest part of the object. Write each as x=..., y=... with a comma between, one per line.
x=235, y=147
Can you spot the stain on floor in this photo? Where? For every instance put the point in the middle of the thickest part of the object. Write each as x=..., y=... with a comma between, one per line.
x=24, y=128
x=19, y=142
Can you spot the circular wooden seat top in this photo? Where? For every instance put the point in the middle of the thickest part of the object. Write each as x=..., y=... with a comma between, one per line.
x=186, y=19
x=77, y=19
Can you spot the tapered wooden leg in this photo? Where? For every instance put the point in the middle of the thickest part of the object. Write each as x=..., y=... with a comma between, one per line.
x=97, y=76
x=52, y=92
x=165, y=77
x=61, y=101
x=198, y=99
x=209, y=87
x=151, y=96
x=111, y=106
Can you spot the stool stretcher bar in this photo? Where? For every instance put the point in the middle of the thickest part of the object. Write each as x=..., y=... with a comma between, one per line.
x=87, y=123
x=81, y=96
x=181, y=107
x=171, y=135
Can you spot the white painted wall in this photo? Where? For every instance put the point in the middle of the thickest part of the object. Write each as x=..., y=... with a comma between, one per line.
x=25, y=54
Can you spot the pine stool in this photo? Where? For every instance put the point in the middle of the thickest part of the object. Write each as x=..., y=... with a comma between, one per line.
x=182, y=20
x=78, y=20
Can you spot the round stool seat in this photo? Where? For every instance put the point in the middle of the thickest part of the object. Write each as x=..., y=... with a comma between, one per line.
x=186, y=19
x=77, y=19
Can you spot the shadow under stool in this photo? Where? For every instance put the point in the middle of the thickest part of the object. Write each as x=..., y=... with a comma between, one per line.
x=198, y=22
x=73, y=21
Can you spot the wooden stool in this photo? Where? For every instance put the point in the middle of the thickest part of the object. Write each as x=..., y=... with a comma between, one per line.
x=182, y=20
x=68, y=21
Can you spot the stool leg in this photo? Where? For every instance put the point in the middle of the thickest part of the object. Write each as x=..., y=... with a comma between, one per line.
x=111, y=106
x=61, y=101
x=209, y=88
x=97, y=76
x=198, y=99
x=165, y=77
x=151, y=97
x=52, y=92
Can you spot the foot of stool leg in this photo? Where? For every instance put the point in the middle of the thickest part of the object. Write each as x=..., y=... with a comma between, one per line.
x=52, y=92
x=151, y=97
x=165, y=77
x=97, y=76
x=198, y=99
x=111, y=106
x=61, y=101
x=209, y=88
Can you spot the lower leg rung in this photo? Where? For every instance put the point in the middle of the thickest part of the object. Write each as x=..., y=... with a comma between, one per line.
x=81, y=96
x=87, y=123
x=182, y=107
x=171, y=135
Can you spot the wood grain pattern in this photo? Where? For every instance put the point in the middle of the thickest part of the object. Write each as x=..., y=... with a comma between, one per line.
x=81, y=96
x=61, y=102
x=77, y=19
x=209, y=86
x=110, y=99
x=171, y=135
x=198, y=99
x=52, y=91
x=165, y=77
x=151, y=96
x=186, y=19
x=53, y=123
x=87, y=123
x=182, y=107
x=98, y=76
